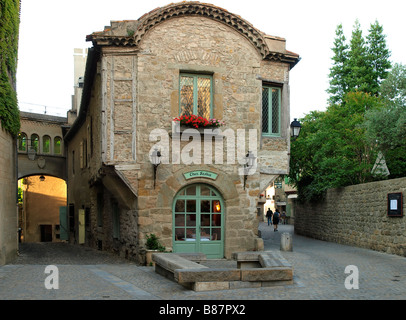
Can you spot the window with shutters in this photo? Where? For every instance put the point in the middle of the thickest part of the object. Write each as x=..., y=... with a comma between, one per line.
x=271, y=111
x=195, y=95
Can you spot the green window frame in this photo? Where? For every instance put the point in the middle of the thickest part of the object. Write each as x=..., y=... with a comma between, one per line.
x=35, y=142
x=196, y=95
x=271, y=111
x=22, y=142
x=46, y=144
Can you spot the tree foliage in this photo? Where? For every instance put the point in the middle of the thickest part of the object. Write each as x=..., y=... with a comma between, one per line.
x=360, y=65
x=366, y=117
x=331, y=150
x=9, y=26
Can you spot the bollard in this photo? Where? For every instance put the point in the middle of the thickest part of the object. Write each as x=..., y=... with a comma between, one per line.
x=286, y=242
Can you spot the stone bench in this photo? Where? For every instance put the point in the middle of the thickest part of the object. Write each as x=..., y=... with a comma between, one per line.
x=167, y=263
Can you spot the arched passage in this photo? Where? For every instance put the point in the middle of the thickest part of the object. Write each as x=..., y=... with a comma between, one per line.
x=40, y=200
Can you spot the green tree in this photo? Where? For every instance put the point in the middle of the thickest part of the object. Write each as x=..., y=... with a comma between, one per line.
x=378, y=57
x=386, y=126
x=331, y=150
x=339, y=71
x=359, y=66
x=359, y=76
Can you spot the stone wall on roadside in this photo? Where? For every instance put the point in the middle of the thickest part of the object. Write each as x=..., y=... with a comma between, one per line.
x=357, y=216
x=8, y=198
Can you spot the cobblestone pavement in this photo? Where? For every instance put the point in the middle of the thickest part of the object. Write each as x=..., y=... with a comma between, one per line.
x=87, y=274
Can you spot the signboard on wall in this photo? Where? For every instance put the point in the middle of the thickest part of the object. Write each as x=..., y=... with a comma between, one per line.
x=200, y=174
x=395, y=204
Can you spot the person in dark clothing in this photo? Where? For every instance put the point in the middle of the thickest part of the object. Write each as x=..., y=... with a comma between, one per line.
x=275, y=220
x=269, y=216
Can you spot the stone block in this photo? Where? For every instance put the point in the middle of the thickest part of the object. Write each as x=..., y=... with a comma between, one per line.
x=267, y=274
x=286, y=242
x=245, y=284
x=193, y=256
x=211, y=286
x=207, y=275
x=246, y=256
x=259, y=244
x=171, y=262
x=272, y=259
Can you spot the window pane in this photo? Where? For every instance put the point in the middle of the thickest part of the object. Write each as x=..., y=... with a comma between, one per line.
x=22, y=142
x=46, y=143
x=191, y=206
x=191, y=191
x=191, y=234
x=203, y=97
x=190, y=220
x=216, y=220
x=205, y=220
x=205, y=234
x=180, y=206
x=57, y=145
x=180, y=234
x=265, y=110
x=204, y=191
x=34, y=142
x=205, y=206
x=186, y=95
x=275, y=110
x=216, y=206
x=216, y=233
x=179, y=220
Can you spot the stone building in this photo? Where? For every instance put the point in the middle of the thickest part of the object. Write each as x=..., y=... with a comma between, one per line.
x=182, y=59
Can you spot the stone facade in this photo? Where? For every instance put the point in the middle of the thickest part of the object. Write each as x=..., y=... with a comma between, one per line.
x=132, y=88
x=357, y=216
x=8, y=203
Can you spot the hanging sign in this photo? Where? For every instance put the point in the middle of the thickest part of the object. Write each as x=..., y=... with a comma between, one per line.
x=200, y=174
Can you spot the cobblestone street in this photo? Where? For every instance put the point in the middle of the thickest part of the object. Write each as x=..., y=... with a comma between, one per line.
x=88, y=274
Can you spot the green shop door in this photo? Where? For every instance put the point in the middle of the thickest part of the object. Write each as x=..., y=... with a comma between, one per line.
x=198, y=215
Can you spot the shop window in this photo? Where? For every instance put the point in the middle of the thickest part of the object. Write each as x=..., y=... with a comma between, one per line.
x=195, y=95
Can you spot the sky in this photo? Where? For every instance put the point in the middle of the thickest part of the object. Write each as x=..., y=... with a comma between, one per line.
x=50, y=30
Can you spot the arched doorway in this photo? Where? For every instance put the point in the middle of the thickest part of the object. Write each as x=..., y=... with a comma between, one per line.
x=198, y=221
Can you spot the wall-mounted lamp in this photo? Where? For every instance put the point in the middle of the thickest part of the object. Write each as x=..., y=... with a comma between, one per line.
x=42, y=178
x=295, y=127
x=156, y=161
x=248, y=165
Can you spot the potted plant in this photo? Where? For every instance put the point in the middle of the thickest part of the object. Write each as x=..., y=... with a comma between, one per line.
x=153, y=245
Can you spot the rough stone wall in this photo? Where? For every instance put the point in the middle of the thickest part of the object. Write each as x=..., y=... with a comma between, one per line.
x=8, y=198
x=357, y=216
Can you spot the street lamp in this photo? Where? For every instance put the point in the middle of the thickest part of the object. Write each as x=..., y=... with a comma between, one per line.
x=295, y=127
x=156, y=161
x=248, y=165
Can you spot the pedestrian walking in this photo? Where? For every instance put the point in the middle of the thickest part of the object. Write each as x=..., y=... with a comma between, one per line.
x=269, y=216
x=275, y=220
x=283, y=217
